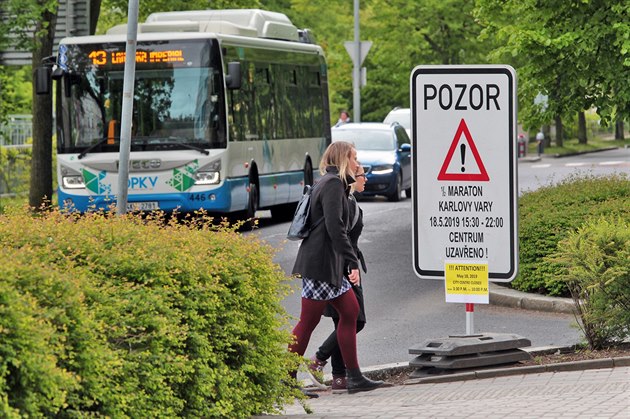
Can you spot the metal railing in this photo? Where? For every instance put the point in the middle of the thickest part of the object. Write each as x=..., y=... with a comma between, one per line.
x=17, y=131
x=15, y=141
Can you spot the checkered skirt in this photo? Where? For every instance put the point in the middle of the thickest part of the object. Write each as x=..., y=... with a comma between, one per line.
x=318, y=290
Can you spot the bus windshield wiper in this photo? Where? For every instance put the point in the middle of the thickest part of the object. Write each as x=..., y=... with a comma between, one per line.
x=93, y=146
x=171, y=141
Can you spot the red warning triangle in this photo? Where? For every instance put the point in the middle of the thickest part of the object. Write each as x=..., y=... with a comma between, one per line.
x=444, y=175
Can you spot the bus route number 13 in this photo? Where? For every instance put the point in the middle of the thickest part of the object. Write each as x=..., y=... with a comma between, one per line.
x=98, y=57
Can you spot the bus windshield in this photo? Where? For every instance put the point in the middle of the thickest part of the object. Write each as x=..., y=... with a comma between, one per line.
x=177, y=101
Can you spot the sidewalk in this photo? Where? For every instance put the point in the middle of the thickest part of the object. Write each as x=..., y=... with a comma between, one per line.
x=593, y=393
x=584, y=389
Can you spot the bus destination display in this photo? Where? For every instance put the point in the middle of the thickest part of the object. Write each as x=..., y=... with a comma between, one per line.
x=101, y=57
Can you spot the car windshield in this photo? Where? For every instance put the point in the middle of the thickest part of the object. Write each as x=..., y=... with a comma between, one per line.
x=366, y=140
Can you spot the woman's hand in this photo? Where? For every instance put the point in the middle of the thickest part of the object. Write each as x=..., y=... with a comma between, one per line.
x=355, y=277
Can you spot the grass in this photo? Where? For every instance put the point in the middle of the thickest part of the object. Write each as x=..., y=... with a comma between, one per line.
x=7, y=202
x=572, y=146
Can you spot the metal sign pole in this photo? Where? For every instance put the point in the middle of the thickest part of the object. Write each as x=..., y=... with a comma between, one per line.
x=356, y=70
x=470, y=313
x=127, y=106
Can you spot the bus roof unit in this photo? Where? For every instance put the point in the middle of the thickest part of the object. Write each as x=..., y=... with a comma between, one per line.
x=243, y=22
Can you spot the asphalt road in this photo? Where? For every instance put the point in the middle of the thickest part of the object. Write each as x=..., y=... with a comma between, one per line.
x=404, y=310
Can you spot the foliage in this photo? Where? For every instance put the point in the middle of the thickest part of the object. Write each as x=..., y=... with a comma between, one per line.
x=403, y=34
x=15, y=91
x=575, y=52
x=129, y=316
x=550, y=213
x=14, y=169
x=24, y=22
x=577, y=46
x=406, y=34
x=114, y=12
x=595, y=262
x=31, y=25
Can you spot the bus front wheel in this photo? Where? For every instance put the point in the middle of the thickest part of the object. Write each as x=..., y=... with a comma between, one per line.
x=252, y=201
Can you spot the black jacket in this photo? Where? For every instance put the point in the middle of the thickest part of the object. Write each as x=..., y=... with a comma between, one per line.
x=354, y=234
x=326, y=254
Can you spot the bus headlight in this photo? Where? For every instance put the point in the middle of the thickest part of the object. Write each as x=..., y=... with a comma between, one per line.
x=210, y=174
x=382, y=169
x=73, y=182
x=207, y=178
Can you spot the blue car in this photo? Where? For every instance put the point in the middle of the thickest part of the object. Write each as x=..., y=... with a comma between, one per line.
x=384, y=151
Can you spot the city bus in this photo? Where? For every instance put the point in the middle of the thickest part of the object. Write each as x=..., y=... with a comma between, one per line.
x=230, y=114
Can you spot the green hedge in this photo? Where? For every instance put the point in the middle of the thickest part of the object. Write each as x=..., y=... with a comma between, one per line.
x=549, y=214
x=110, y=316
x=596, y=268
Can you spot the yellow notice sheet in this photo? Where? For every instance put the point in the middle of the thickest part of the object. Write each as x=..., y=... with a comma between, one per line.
x=466, y=282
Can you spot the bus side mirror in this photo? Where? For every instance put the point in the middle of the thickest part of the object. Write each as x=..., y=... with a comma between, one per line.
x=43, y=80
x=233, y=77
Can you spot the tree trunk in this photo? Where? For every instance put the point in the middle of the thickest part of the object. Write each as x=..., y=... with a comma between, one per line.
x=95, y=10
x=619, y=135
x=546, y=129
x=581, y=128
x=559, y=131
x=40, y=192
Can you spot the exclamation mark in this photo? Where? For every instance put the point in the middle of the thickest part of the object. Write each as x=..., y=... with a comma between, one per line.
x=462, y=151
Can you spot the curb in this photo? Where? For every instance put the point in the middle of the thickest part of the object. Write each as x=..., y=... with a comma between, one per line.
x=507, y=297
x=384, y=371
x=530, y=159
x=590, y=364
x=579, y=153
x=536, y=158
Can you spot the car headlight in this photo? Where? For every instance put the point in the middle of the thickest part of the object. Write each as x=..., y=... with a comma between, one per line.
x=73, y=182
x=382, y=169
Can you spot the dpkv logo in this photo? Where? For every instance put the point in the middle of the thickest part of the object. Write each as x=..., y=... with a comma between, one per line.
x=142, y=182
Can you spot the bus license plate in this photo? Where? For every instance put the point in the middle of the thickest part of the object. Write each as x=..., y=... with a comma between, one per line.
x=142, y=206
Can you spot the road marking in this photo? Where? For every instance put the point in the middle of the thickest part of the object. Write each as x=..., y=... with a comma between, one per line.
x=575, y=164
x=610, y=163
x=540, y=166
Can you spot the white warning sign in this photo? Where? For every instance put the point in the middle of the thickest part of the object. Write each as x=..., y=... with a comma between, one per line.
x=464, y=169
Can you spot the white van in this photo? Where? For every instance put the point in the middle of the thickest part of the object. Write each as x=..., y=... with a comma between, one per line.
x=402, y=116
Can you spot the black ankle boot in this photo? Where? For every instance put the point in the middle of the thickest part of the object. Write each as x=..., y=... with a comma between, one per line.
x=357, y=382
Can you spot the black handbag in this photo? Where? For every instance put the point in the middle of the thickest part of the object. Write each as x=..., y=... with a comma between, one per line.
x=301, y=225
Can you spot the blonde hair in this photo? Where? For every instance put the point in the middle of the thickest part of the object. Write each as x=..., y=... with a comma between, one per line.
x=338, y=154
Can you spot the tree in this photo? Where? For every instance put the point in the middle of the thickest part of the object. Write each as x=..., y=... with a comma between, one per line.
x=576, y=52
x=403, y=35
x=407, y=34
x=40, y=188
x=33, y=22
x=114, y=12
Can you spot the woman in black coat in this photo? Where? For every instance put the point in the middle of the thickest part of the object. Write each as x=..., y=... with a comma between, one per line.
x=330, y=347
x=328, y=263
